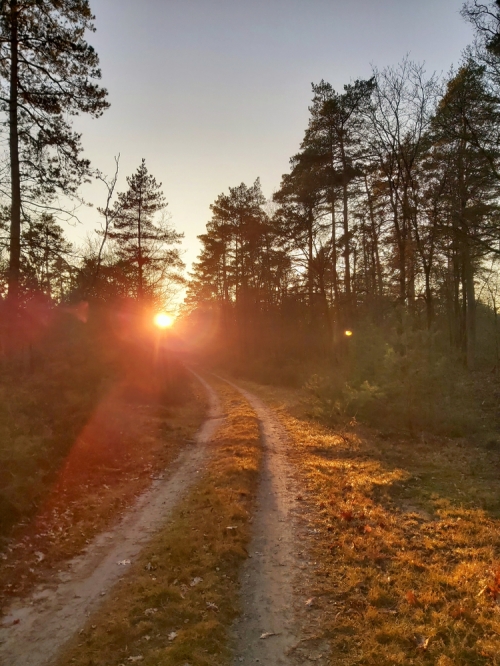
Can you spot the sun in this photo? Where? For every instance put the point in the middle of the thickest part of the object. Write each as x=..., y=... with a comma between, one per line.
x=163, y=320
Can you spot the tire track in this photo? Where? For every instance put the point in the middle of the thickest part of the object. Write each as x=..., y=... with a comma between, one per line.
x=268, y=573
x=35, y=629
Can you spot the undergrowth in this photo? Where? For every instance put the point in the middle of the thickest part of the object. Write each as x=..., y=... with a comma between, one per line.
x=409, y=381
x=78, y=442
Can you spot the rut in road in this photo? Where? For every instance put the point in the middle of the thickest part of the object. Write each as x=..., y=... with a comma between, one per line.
x=267, y=576
x=35, y=629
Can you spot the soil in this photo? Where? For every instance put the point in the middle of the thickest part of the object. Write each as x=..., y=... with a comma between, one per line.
x=267, y=632
x=274, y=626
x=35, y=628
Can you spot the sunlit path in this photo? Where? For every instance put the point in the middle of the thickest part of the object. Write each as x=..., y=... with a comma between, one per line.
x=34, y=630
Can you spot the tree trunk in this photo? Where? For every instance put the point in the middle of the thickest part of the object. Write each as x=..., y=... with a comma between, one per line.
x=140, y=287
x=310, y=289
x=347, y=266
x=378, y=267
x=429, y=303
x=334, y=251
x=470, y=311
x=15, y=219
x=400, y=242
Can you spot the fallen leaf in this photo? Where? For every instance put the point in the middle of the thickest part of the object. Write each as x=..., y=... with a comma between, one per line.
x=40, y=556
x=347, y=515
x=267, y=634
x=195, y=581
x=172, y=635
x=411, y=598
x=310, y=602
x=422, y=642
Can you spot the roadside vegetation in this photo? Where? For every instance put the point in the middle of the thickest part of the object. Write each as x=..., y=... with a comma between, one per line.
x=405, y=563
x=81, y=437
x=178, y=601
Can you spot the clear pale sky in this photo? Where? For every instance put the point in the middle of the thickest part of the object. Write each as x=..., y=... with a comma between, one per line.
x=215, y=92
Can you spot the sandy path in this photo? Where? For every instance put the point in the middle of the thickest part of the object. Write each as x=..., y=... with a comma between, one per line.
x=52, y=615
x=267, y=576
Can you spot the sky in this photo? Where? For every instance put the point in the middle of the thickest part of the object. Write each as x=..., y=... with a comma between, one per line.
x=213, y=93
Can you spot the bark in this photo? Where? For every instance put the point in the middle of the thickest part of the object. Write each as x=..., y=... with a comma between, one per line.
x=400, y=242
x=15, y=223
x=334, y=251
x=140, y=291
x=310, y=288
x=378, y=267
x=347, y=258
x=470, y=311
x=345, y=216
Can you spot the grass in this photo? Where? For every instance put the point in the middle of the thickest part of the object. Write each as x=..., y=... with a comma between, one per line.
x=77, y=445
x=178, y=600
x=405, y=561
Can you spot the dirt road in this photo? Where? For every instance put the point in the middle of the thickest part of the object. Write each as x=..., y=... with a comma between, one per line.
x=34, y=629
x=266, y=631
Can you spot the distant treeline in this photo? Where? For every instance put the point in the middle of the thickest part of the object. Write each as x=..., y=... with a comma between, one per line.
x=390, y=208
x=372, y=274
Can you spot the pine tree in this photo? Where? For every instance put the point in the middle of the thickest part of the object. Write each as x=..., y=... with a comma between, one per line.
x=45, y=253
x=141, y=242
x=466, y=133
x=48, y=73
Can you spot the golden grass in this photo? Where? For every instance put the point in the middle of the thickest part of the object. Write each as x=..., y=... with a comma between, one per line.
x=178, y=600
x=407, y=549
x=122, y=446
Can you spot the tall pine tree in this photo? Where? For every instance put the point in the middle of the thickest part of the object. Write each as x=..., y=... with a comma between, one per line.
x=141, y=242
x=48, y=72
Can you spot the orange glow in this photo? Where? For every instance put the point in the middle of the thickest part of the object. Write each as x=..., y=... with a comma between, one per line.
x=348, y=333
x=163, y=320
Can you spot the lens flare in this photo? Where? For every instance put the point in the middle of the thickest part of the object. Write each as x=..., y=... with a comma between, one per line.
x=348, y=333
x=163, y=320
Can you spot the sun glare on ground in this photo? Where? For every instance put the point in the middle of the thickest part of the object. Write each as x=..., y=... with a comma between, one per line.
x=163, y=320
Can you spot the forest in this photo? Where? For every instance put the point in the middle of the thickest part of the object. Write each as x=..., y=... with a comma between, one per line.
x=359, y=301
x=377, y=257
x=386, y=226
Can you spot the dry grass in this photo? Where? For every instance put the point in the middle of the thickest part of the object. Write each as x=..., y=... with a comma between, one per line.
x=186, y=581
x=405, y=556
